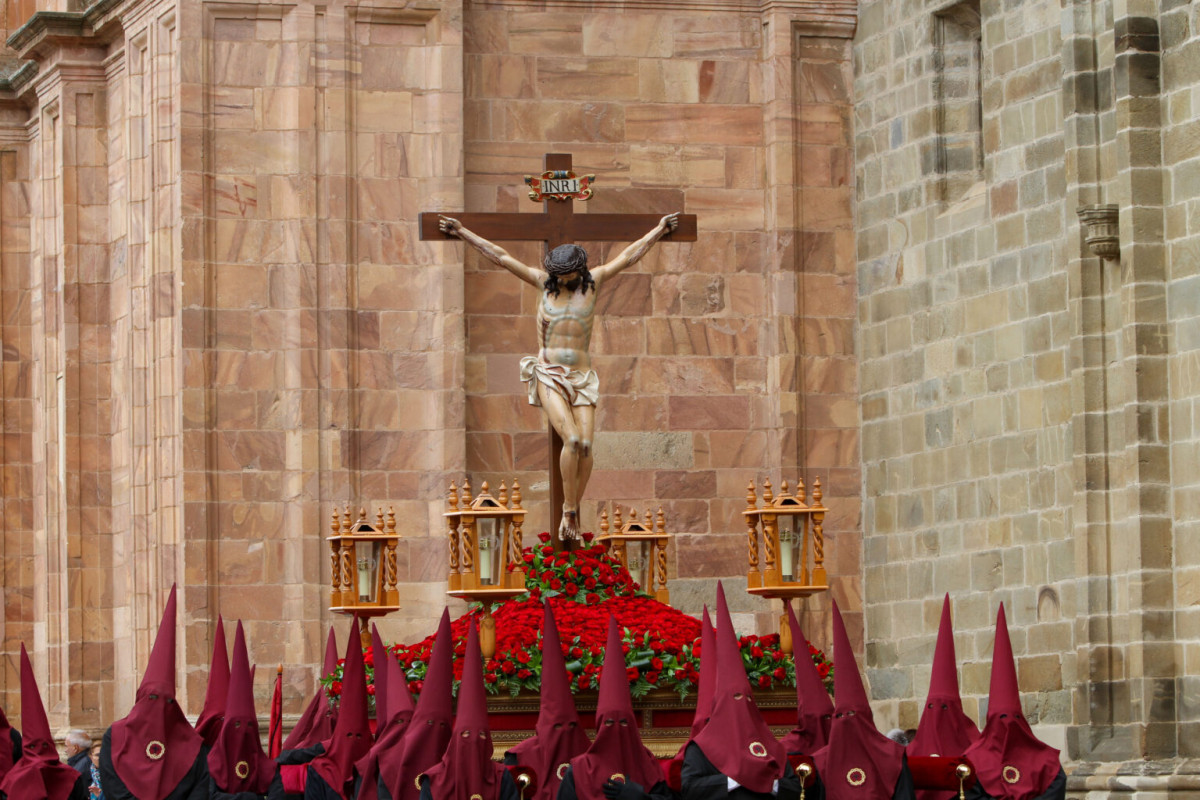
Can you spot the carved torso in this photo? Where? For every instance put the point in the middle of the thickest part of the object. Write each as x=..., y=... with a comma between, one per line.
x=565, y=324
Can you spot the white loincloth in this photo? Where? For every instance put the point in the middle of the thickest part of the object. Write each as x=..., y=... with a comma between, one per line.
x=577, y=388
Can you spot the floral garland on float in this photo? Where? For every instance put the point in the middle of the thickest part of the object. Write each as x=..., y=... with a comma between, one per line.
x=661, y=645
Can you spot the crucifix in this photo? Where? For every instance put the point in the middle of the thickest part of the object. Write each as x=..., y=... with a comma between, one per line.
x=555, y=379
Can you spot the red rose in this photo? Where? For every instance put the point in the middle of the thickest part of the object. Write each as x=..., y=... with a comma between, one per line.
x=528, y=558
x=335, y=688
x=764, y=680
x=589, y=583
x=681, y=675
x=657, y=664
x=571, y=590
x=656, y=646
x=523, y=656
x=780, y=673
x=523, y=673
x=544, y=536
x=756, y=651
x=555, y=584
x=823, y=670
x=592, y=598
x=415, y=686
x=508, y=667
x=583, y=681
x=652, y=677
x=370, y=688
x=490, y=677
x=588, y=536
x=570, y=573
x=632, y=672
x=777, y=655
x=535, y=592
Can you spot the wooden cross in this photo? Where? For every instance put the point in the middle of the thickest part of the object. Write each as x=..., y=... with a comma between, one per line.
x=558, y=224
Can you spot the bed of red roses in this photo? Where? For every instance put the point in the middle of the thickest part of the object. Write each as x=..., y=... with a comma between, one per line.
x=661, y=645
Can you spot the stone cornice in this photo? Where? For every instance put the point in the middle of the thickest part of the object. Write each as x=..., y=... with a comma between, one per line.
x=1155, y=776
x=833, y=11
x=46, y=30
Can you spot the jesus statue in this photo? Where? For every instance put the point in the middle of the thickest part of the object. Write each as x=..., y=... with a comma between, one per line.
x=560, y=379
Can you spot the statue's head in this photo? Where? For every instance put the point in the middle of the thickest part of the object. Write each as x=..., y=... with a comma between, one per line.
x=562, y=263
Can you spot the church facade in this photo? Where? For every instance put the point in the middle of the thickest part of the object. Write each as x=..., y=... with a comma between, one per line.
x=220, y=326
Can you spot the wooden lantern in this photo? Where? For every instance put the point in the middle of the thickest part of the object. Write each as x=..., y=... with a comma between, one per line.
x=641, y=547
x=484, y=542
x=786, y=538
x=363, y=567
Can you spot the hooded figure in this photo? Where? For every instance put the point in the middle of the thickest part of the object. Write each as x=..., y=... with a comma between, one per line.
x=154, y=753
x=331, y=775
x=558, y=737
x=397, y=714
x=38, y=774
x=859, y=762
x=1012, y=764
x=316, y=723
x=237, y=765
x=379, y=664
x=429, y=732
x=8, y=755
x=617, y=766
x=704, y=692
x=814, y=709
x=466, y=771
x=208, y=724
x=735, y=755
x=945, y=729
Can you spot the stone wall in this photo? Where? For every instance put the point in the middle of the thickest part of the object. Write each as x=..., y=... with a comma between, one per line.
x=220, y=324
x=1026, y=405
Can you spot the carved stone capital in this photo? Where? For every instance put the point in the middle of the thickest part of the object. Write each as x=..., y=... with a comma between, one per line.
x=1101, y=230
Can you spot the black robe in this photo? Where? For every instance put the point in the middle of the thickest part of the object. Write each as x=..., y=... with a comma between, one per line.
x=81, y=762
x=215, y=793
x=290, y=758
x=315, y=788
x=566, y=790
x=193, y=785
x=508, y=788
x=703, y=781
x=1057, y=790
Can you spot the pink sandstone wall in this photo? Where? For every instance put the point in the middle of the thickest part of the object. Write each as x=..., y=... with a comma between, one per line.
x=220, y=324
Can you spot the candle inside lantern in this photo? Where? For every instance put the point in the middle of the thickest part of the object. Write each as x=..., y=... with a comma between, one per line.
x=786, y=540
x=364, y=579
x=485, y=559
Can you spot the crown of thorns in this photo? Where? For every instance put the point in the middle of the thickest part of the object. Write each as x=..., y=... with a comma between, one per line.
x=566, y=259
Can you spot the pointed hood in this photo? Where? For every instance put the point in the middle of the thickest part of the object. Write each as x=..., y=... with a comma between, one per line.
x=736, y=739
x=617, y=748
x=945, y=729
x=860, y=762
x=38, y=775
x=379, y=665
x=316, y=723
x=7, y=735
x=429, y=732
x=208, y=724
x=1011, y=762
x=708, y=674
x=704, y=692
x=814, y=708
x=400, y=703
x=389, y=744
x=352, y=734
x=559, y=737
x=154, y=746
x=237, y=762
x=466, y=770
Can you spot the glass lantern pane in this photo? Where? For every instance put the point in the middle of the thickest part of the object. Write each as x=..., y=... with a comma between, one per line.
x=367, y=561
x=491, y=562
x=787, y=549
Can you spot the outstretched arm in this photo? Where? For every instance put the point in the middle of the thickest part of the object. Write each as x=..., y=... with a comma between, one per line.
x=491, y=251
x=632, y=254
